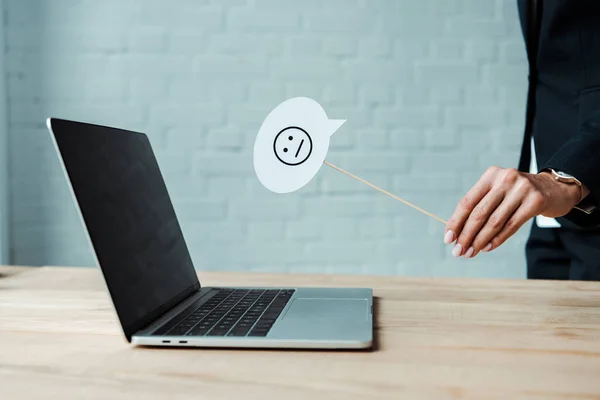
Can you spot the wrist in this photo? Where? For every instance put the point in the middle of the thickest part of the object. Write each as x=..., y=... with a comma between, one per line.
x=584, y=192
x=582, y=202
x=570, y=192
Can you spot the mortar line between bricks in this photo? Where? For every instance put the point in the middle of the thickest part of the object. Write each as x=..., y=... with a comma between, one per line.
x=384, y=192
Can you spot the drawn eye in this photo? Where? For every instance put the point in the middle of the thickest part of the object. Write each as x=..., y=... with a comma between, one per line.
x=285, y=150
x=290, y=138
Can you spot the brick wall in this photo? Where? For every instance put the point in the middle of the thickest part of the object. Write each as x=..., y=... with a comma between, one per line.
x=433, y=90
x=4, y=185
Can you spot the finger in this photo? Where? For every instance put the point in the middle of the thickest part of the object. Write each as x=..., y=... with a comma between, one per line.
x=497, y=220
x=525, y=212
x=466, y=205
x=477, y=219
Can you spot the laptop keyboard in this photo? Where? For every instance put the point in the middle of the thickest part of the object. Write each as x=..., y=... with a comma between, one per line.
x=233, y=312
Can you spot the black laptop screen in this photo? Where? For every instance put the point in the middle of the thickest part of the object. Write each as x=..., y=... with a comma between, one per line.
x=130, y=219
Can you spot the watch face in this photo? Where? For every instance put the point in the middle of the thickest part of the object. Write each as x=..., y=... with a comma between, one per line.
x=563, y=174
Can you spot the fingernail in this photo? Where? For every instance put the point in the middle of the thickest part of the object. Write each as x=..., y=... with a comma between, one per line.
x=457, y=250
x=488, y=247
x=449, y=237
x=469, y=252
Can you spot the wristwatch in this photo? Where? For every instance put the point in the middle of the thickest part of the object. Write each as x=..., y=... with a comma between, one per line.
x=586, y=206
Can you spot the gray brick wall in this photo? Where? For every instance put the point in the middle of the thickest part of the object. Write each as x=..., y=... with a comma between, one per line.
x=433, y=90
x=4, y=185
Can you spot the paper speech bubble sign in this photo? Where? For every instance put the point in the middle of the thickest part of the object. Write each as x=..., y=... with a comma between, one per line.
x=292, y=143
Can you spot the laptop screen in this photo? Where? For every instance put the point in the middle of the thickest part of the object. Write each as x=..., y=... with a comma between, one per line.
x=130, y=219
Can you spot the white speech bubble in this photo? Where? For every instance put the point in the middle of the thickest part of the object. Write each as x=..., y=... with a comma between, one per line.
x=292, y=143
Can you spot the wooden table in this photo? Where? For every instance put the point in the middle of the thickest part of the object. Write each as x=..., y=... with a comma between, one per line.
x=437, y=339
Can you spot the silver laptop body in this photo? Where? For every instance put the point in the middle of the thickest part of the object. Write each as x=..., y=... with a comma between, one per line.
x=130, y=221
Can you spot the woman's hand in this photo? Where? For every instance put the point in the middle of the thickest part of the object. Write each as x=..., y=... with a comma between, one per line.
x=500, y=203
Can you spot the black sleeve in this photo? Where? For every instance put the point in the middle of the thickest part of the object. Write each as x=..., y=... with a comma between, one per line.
x=580, y=157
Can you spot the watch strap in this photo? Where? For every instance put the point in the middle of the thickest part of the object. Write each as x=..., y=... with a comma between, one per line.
x=586, y=205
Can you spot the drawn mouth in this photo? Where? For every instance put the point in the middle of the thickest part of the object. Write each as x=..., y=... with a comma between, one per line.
x=299, y=147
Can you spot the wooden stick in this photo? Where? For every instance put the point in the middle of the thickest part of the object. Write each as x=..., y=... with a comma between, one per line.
x=384, y=192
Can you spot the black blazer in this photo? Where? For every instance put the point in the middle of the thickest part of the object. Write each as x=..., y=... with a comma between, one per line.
x=563, y=107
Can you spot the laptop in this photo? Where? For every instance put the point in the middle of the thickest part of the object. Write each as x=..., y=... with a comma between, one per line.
x=137, y=241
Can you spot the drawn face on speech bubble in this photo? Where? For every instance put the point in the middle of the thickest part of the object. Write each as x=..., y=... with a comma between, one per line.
x=292, y=143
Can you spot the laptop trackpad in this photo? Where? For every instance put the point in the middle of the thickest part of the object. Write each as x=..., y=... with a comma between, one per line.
x=326, y=308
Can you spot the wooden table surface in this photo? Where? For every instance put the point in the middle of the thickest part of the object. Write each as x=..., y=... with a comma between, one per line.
x=436, y=339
